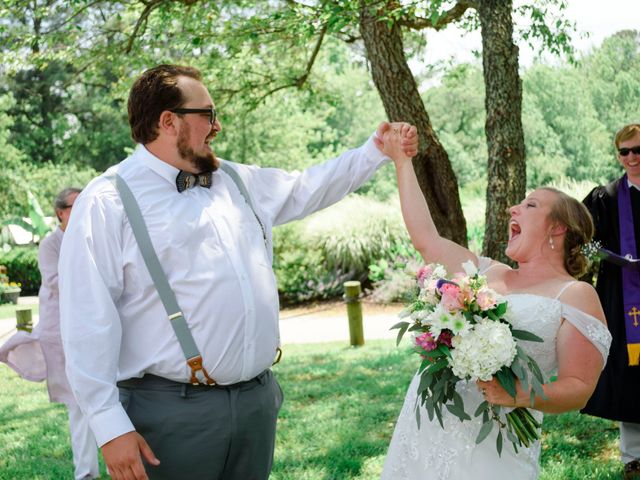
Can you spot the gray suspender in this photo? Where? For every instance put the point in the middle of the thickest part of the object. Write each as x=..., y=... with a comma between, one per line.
x=224, y=166
x=167, y=296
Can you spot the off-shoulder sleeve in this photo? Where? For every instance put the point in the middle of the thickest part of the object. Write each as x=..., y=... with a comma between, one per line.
x=593, y=329
x=483, y=264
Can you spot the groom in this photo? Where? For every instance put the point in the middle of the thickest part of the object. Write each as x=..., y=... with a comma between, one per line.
x=211, y=230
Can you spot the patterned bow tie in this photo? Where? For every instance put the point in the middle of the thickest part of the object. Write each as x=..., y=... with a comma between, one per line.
x=186, y=180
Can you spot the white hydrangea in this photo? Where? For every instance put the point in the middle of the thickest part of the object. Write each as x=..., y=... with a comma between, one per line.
x=483, y=351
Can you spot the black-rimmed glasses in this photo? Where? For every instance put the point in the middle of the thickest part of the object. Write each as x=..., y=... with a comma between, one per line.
x=211, y=111
x=625, y=151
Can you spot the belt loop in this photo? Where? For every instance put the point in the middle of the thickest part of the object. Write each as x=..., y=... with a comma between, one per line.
x=183, y=391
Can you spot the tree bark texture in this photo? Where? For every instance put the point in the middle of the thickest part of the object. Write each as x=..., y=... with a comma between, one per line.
x=401, y=99
x=506, y=167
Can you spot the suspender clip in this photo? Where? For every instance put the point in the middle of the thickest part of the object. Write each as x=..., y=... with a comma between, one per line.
x=199, y=375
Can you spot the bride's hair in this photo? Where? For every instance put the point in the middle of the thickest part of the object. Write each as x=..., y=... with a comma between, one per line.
x=574, y=215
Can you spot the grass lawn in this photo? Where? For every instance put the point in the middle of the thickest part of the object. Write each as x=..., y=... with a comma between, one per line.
x=336, y=422
x=8, y=310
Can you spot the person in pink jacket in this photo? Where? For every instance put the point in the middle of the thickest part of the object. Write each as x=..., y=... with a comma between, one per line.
x=38, y=355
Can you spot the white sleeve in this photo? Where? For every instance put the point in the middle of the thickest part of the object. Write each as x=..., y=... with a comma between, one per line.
x=91, y=281
x=591, y=328
x=483, y=264
x=286, y=196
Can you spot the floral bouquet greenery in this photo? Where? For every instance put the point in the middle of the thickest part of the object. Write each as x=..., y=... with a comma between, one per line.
x=462, y=331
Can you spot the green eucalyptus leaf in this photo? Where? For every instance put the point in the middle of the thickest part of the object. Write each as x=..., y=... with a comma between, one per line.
x=525, y=335
x=403, y=328
x=425, y=382
x=506, y=378
x=436, y=408
x=483, y=407
x=458, y=412
x=485, y=430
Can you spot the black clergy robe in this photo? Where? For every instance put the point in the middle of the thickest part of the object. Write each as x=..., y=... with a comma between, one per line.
x=617, y=395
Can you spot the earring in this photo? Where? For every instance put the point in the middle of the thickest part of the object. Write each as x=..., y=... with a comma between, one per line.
x=553, y=247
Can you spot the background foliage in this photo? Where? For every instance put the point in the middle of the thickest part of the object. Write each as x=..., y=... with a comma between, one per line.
x=22, y=267
x=63, y=112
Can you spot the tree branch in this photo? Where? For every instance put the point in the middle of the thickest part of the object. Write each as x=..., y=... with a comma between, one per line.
x=301, y=79
x=451, y=15
x=72, y=16
x=142, y=21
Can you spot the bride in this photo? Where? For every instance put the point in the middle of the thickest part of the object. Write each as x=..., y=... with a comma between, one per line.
x=546, y=233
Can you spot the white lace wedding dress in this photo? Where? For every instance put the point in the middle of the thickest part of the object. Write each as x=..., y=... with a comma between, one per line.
x=433, y=453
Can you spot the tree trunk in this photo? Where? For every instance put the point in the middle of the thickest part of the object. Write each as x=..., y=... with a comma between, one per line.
x=506, y=167
x=402, y=102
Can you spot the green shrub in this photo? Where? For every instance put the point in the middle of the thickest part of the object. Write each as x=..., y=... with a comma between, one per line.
x=313, y=257
x=356, y=232
x=393, y=275
x=300, y=267
x=22, y=267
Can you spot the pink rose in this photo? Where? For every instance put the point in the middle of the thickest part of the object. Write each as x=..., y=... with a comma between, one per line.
x=451, y=296
x=423, y=273
x=486, y=299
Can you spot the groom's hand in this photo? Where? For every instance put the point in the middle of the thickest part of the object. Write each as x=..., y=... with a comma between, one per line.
x=408, y=136
x=123, y=457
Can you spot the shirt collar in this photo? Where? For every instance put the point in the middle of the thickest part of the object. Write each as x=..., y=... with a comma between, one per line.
x=162, y=168
x=632, y=185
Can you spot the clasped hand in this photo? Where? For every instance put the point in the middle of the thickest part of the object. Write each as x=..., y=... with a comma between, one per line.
x=398, y=140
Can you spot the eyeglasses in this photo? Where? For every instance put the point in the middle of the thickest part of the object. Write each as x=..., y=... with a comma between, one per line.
x=625, y=151
x=211, y=111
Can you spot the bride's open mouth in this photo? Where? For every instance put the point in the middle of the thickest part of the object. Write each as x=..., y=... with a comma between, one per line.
x=514, y=230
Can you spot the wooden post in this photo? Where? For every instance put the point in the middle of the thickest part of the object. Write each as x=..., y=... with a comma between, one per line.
x=24, y=320
x=354, y=311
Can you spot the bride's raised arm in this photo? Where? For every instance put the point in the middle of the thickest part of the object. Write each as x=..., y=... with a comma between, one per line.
x=417, y=217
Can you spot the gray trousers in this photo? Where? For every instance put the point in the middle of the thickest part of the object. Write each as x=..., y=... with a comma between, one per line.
x=629, y=441
x=206, y=433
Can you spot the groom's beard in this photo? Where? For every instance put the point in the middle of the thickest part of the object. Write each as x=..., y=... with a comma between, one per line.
x=204, y=162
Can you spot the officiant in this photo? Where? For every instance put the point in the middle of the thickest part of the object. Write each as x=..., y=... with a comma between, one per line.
x=616, y=213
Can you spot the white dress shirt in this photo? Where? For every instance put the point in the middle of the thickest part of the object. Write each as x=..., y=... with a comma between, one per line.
x=212, y=250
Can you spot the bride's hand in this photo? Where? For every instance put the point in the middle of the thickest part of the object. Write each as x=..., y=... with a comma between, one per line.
x=398, y=140
x=493, y=393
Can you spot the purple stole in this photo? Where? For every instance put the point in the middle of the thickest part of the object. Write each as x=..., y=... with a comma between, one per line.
x=630, y=276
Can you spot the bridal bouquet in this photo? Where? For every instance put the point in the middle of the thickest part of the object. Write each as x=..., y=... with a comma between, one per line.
x=462, y=331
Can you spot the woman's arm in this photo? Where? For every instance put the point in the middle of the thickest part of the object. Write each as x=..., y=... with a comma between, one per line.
x=417, y=217
x=579, y=363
